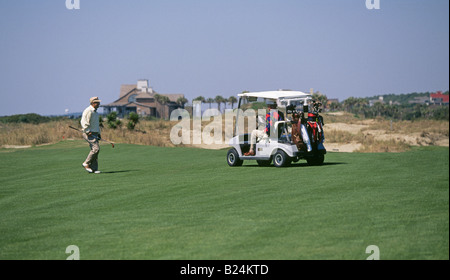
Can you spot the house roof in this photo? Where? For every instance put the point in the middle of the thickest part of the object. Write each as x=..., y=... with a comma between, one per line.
x=444, y=97
x=144, y=95
x=127, y=90
x=128, y=105
x=124, y=89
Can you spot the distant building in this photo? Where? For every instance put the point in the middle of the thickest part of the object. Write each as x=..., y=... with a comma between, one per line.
x=420, y=100
x=379, y=100
x=439, y=98
x=331, y=101
x=140, y=98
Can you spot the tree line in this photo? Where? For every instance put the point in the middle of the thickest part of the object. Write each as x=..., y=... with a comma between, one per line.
x=219, y=100
x=396, y=107
x=31, y=118
x=393, y=106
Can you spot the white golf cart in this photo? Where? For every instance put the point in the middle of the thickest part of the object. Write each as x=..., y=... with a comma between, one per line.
x=281, y=145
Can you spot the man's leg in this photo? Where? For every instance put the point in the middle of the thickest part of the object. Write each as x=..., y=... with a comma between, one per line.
x=95, y=147
x=92, y=158
x=94, y=164
x=255, y=134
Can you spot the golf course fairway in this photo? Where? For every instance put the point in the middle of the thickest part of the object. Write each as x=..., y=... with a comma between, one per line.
x=186, y=203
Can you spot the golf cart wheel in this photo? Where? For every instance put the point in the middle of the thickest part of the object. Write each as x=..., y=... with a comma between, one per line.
x=317, y=160
x=264, y=163
x=233, y=158
x=281, y=159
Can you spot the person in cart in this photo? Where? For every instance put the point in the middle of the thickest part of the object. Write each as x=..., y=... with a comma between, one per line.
x=272, y=115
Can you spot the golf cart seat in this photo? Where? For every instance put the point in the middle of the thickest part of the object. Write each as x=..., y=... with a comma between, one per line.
x=281, y=128
x=285, y=138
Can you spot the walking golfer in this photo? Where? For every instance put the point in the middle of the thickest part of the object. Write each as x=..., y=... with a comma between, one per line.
x=91, y=133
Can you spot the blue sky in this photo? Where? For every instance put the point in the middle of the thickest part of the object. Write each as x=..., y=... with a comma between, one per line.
x=52, y=58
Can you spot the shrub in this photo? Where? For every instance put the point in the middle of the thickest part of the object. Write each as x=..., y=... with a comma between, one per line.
x=112, y=120
x=131, y=125
x=133, y=120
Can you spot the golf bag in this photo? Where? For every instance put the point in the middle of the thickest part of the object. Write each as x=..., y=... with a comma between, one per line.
x=315, y=130
x=296, y=134
x=300, y=135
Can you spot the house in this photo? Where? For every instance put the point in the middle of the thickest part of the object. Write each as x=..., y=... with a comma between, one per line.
x=374, y=101
x=140, y=98
x=420, y=100
x=439, y=98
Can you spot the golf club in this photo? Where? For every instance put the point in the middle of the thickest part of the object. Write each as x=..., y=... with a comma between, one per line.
x=79, y=130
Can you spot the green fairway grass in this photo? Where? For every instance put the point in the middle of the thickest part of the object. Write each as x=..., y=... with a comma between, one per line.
x=185, y=203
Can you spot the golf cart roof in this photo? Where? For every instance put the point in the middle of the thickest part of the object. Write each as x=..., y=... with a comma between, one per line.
x=278, y=95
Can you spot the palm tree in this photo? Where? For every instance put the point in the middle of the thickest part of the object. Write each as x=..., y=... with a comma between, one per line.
x=232, y=100
x=224, y=101
x=219, y=99
x=379, y=108
x=182, y=101
x=163, y=100
x=199, y=98
x=361, y=104
x=198, y=107
x=209, y=101
x=349, y=103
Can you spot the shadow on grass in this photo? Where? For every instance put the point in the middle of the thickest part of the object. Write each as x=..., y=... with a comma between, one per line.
x=119, y=171
x=303, y=164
